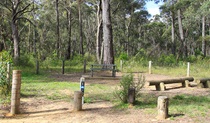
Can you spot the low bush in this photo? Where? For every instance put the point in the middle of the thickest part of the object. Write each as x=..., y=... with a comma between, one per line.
x=127, y=82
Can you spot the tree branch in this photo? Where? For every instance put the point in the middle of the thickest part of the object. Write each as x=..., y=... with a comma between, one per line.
x=116, y=8
x=24, y=18
x=5, y=6
x=15, y=16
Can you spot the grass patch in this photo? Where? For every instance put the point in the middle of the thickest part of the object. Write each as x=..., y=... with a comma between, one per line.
x=43, y=86
x=191, y=105
x=179, y=105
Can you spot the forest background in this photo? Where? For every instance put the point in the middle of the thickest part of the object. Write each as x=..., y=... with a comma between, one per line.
x=43, y=32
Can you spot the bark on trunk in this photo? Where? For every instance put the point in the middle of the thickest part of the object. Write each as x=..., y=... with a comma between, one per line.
x=107, y=31
x=181, y=33
x=15, y=40
x=57, y=29
x=173, y=34
x=203, y=37
x=68, y=53
x=80, y=28
x=99, y=34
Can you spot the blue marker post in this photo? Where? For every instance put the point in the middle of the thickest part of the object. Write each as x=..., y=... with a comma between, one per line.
x=82, y=87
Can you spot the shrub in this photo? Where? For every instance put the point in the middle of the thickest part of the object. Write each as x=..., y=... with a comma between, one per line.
x=167, y=60
x=127, y=82
x=26, y=60
x=123, y=56
x=5, y=83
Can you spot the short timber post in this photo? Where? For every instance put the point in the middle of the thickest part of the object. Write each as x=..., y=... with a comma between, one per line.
x=78, y=100
x=188, y=69
x=131, y=96
x=150, y=67
x=15, y=97
x=162, y=107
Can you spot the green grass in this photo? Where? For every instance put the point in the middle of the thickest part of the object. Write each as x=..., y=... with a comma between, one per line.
x=179, y=105
x=192, y=105
x=199, y=69
x=43, y=86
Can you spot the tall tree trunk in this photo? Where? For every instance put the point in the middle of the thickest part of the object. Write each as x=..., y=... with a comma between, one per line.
x=173, y=49
x=181, y=33
x=81, y=50
x=99, y=34
x=203, y=37
x=68, y=53
x=57, y=29
x=68, y=18
x=107, y=33
x=15, y=35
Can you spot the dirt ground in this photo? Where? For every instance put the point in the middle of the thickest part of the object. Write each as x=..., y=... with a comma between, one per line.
x=39, y=110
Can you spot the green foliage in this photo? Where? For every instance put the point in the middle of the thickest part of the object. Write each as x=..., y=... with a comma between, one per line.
x=5, y=57
x=127, y=82
x=89, y=57
x=26, y=60
x=5, y=82
x=123, y=56
x=167, y=60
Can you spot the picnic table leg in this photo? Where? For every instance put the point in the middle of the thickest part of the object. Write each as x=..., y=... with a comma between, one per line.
x=91, y=70
x=113, y=71
x=206, y=84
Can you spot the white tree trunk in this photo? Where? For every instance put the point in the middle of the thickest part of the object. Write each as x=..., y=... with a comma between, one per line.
x=203, y=37
x=99, y=34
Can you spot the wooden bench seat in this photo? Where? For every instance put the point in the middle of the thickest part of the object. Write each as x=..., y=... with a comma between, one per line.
x=103, y=67
x=160, y=84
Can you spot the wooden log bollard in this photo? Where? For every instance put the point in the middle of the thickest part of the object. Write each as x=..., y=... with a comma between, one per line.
x=78, y=100
x=131, y=96
x=162, y=107
x=15, y=97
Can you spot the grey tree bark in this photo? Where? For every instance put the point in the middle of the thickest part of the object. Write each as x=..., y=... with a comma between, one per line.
x=181, y=34
x=107, y=33
x=203, y=37
x=80, y=28
x=57, y=29
x=99, y=34
x=14, y=25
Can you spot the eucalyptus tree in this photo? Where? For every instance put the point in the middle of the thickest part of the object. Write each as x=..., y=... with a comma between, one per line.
x=79, y=2
x=108, y=57
x=168, y=11
x=196, y=20
x=17, y=9
x=5, y=35
x=128, y=18
x=68, y=6
x=99, y=33
x=57, y=27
